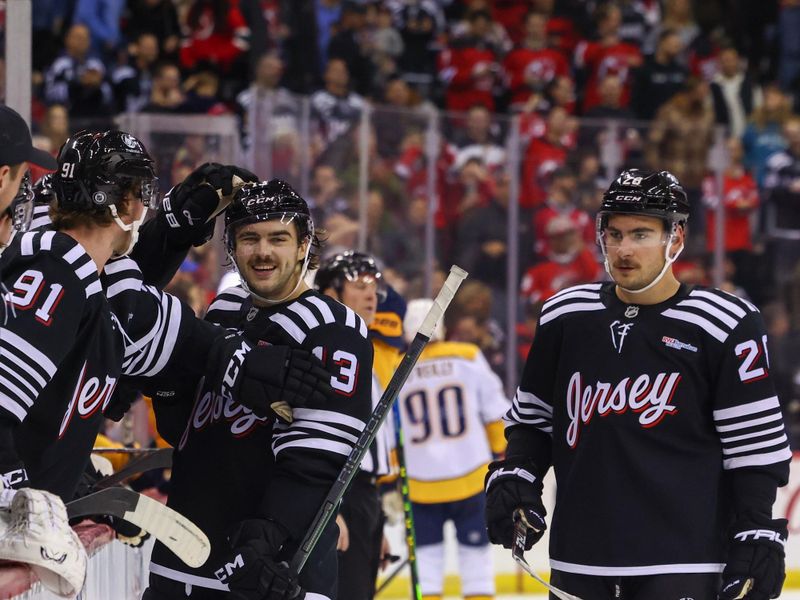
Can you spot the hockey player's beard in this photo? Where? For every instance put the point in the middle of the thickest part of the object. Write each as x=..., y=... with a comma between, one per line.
x=276, y=283
x=630, y=275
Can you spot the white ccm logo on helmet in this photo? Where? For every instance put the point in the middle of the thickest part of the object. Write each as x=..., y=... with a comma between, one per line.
x=761, y=534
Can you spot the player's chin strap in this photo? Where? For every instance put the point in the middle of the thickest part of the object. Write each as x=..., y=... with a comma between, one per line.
x=668, y=260
x=133, y=227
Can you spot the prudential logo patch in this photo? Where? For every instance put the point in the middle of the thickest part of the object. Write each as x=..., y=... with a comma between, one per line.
x=677, y=344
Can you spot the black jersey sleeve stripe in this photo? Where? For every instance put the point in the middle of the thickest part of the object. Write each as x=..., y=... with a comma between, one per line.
x=567, y=308
x=148, y=355
x=725, y=303
x=318, y=430
x=756, y=440
x=354, y=321
x=528, y=409
x=710, y=310
x=225, y=305
x=18, y=380
x=289, y=326
x=305, y=314
x=589, y=291
x=700, y=321
x=324, y=309
x=41, y=217
x=35, y=359
x=46, y=240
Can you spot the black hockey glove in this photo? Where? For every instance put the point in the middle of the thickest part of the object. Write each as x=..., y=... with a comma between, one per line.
x=260, y=377
x=252, y=570
x=511, y=485
x=121, y=401
x=755, y=560
x=188, y=207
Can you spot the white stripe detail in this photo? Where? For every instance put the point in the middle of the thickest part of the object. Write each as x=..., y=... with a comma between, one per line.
x=702, y=322
x=235, y=290
x=27, y=243
x=350, y=319
x=315, y=444
x=224, y=305
x=757, y=446
x=644, y=570
x=712, y=310
x=32, y=390
x=94, y=288
x=585, y=286
x=123, y=285
x=726, y=304
x=170, y=337
x=33, y=373
x=568, y=308
x=362, y=327
x=313, y=596
x=747, y=436
x=121, y=264
x=47, y=240
x=304, y=313
x=747, y=424
x=289, y=326
x=84, y=271
x=12, y=407
x=747, y=409
x=28, y=350
x=576, y=294
x=324, y=309
x=319, y=427
x=757, y=460
x=529, y=398
x=14, y=389
x=535, y=412
x=39, y=222
x=203, y=582
x=328, y=416
x=74, y=253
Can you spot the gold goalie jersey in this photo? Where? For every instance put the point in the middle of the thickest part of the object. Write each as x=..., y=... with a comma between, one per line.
x=451, y=409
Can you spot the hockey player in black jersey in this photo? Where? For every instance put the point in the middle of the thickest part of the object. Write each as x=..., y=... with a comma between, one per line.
x=251, y=483
x=652, y=401
x=80, y=320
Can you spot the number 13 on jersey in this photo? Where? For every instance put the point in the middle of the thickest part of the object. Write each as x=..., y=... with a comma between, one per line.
x=344, y=366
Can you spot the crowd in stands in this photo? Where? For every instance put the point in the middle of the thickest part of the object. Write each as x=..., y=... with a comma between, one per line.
x=578, y=85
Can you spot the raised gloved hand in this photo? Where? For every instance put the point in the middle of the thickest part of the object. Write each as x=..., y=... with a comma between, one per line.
x=755, y=567
x=121, y=401
x=189, y=207
x=252, y=571
x=512, y=485
x=262, y=377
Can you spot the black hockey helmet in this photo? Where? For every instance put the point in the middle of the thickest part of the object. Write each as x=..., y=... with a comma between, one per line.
x=648, y=193
x=20, y=211
x=264, y=201
x=95, y=170
x=348, y=266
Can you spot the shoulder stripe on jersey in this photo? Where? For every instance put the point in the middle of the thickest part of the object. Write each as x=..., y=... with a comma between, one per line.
x=94, y=288
x=750, y=408
x=757, y=460
x=34, y=355
x=304, y=313
x=12, y=407
x=712, y=310
x=585, y=286
x=26, y=244
x=571, y=295
x=86, y=270
x=289, y=326
x=328, y=416
x=682, y=315
x=726, y=304
x=570, y=308
x=236, y=291
x=350, y=318
x=47, y=240
x=121, y=264
x=225, y=305
x=124, y=285
x=74, y=254
x=324, y=309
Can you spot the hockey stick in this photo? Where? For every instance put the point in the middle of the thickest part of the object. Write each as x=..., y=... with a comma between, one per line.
x=105, y=450
x=331, y=503
x=408, y=520
x=169, y=527
x=518, y=552
x=161, y=459
x=385, y=583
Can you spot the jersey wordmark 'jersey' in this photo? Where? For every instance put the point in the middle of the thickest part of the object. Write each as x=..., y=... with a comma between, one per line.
x=447, y=402
x=645, y=408
x=69, y=337
x=230, y=465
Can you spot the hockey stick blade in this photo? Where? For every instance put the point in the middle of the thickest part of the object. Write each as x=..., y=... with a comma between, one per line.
x=145, y=462
x=378, y=416
x=169, y=527
x=518, y=552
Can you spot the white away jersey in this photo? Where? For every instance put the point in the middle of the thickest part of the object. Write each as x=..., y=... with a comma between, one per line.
x=445, y=405
x=644, y=409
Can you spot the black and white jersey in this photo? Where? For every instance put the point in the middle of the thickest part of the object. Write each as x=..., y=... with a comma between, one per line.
x=333, y=115
x=645, y=409
x=230, y=465
x=68, y=337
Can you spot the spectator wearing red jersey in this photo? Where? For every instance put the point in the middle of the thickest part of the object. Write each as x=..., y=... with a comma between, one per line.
x=216, y=33
x=469, y=67
x=544, y=155
x=532, y=65
x=607, y=55
x=740, y=198
x=569, y=263
x=561, y=202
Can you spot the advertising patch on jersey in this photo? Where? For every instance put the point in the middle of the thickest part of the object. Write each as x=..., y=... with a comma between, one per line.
x=677, y=344
x=619, y=331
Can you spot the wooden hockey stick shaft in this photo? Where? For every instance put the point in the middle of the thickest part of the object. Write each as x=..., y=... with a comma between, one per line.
x=331, y=503
x=408, y=514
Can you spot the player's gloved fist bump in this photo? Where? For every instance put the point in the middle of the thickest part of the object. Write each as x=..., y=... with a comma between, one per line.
x=755, y=567
x=252, y=571
x=511, y=485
